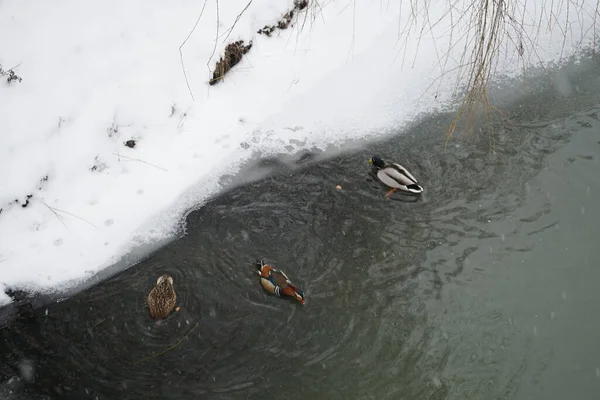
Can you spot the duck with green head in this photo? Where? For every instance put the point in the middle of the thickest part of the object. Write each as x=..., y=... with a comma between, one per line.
x=395, y=176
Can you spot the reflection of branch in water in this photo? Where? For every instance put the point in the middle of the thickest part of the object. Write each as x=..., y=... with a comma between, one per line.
x=167, y=349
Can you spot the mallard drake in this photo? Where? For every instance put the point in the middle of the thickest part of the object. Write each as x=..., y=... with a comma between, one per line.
x=395, y=176
x=276, y=282
x=162, y=297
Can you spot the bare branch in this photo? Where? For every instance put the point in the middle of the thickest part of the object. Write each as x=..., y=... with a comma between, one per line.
x=216, y=39
x=55, y=213
x=183, y=44
x=230, y=29
x=137, y=159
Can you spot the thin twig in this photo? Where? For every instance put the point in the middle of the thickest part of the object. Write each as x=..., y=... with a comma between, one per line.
x=73, y=215
x=216, y=39
x=351, y=50
x=168, y=348
x=54, y=212
x=181, y=46
x=137, y=159
x=214, y=49
x=16, y=66
x=230, y=29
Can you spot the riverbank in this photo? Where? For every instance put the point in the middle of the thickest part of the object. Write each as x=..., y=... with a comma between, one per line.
x=112, y=135
x=471, y=292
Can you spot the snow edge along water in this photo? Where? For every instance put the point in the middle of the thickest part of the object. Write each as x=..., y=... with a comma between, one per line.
x=127, y=84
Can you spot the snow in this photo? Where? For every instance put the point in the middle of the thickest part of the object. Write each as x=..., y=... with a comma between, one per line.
x=98, y=74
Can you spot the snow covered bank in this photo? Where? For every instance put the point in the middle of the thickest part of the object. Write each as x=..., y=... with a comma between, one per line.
x=95, y=75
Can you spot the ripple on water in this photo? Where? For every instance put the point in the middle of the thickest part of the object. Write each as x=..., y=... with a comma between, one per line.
x=376, y=274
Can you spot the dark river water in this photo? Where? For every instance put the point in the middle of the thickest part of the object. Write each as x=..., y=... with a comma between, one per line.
x=485, y=288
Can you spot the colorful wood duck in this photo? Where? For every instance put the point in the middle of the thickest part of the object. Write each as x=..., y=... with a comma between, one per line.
x=276, y=282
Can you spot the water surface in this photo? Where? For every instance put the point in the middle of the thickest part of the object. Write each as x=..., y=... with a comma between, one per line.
x=485, y=288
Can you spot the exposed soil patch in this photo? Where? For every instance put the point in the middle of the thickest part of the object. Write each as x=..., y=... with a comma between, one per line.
x=43, y=182
x=286, y=20
x=10, y=75
x=17, y=295
x=26, y=201
x=29, y=196
x=99, y=165
x=233, y=55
